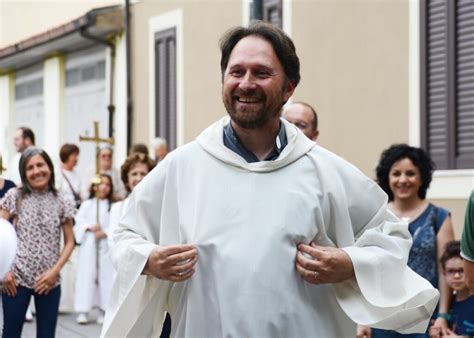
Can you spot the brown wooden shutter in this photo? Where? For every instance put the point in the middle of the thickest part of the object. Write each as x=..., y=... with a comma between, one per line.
x=435, y=91
x=165, y=86
x=465, y=84
x=273, y=12
x=447, y=89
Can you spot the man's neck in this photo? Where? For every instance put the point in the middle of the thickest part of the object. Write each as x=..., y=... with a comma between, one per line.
x=260, y=141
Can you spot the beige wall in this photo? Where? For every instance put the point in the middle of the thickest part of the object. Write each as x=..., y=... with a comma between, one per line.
x=20, y=20
x=457, y=208
x=203, y=24
x=354, y=66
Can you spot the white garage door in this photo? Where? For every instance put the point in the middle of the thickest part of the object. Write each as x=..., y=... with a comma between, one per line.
x=85, y=101
x=29, y=108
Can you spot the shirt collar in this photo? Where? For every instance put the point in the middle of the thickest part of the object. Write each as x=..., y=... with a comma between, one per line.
x=231, y=141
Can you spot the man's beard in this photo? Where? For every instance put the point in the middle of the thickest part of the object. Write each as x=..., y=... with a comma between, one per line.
x=251, y=117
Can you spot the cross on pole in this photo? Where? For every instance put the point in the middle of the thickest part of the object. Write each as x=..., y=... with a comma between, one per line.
x=97, y=180
x=97, y=140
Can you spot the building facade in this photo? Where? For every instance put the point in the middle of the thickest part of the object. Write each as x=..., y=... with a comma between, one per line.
x=377, y=72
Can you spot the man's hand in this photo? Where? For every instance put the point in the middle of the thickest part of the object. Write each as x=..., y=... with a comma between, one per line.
x=172, y=262
x=326, y=265
x=9, y=284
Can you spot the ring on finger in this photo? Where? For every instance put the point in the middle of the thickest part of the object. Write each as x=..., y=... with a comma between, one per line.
x=315, y=274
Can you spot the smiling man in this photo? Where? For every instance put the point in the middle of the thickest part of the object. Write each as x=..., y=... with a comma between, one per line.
x=304, y=117
x=23, y=138
x=253, y=230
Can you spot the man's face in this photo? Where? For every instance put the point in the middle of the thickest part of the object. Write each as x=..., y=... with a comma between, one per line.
x=160, y=152
x=302, y=117
x=105, y=159
x=255, y=85
x=72, y=160
x=19, y=141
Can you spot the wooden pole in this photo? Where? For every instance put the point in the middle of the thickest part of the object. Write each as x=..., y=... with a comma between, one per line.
x=97, y=181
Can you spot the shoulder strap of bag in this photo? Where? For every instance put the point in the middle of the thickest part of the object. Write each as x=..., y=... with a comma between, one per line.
x=76, y=195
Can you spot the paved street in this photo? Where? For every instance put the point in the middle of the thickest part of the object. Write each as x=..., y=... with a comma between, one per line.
x=67, y=327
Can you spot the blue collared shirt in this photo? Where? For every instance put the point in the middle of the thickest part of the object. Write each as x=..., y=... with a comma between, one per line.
x=231, y=141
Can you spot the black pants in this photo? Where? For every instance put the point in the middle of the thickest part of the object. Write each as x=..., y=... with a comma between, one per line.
x=165, y=332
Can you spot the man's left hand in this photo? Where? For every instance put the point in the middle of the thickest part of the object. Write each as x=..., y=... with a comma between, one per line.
x=326, y=265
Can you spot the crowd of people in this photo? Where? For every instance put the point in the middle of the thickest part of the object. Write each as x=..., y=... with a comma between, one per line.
x=64, y=234
x=127, y=247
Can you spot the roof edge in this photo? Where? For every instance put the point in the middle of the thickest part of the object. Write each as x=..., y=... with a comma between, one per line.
x=84, y=21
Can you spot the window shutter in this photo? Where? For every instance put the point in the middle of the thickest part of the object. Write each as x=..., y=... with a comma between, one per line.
x=465, y=84
x=436, y=85
x=273, y=12
x=165, y=86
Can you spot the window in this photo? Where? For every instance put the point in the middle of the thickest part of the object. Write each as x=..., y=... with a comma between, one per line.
x=165, y=86
x=447, y=88
x=272, y=11
x=29, y=89
x=84, y=73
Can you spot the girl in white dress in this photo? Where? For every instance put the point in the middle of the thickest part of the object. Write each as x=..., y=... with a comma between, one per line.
x=93, y=281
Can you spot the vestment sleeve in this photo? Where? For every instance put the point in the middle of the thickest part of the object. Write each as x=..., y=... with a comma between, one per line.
x=115, y=214
x=385, y=293
x=467, y=239
x=137, y=298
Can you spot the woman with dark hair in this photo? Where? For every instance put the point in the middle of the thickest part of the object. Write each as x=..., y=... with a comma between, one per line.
x=405, y=173
x=93, y=278
x=39, y=214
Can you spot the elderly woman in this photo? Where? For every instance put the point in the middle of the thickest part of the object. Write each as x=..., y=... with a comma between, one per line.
x=39, y=214
x=133, y=170
x=405, y=173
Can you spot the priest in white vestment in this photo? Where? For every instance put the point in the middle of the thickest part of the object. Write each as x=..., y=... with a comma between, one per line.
x=253, y=230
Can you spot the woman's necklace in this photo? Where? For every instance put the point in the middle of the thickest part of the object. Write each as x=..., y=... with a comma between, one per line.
x=409, y=214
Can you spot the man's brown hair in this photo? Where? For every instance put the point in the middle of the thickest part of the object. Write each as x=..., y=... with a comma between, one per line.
x=282, y=45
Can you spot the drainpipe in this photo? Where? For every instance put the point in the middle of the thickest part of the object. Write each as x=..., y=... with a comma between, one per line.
x=111, y=107
x=257, y=13
x=129, y=75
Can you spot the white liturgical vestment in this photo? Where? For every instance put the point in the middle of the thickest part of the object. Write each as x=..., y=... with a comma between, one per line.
x=246, y=220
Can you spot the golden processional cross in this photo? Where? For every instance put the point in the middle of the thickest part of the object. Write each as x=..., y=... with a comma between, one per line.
x=97, y=180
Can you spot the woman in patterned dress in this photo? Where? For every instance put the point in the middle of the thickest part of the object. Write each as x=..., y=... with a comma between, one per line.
x=405, y=173
x=39, y=214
